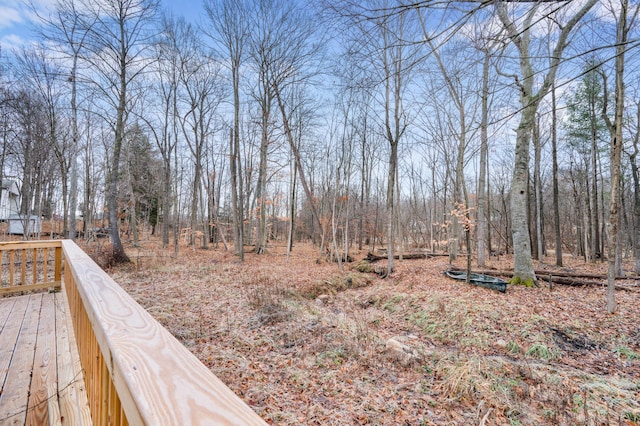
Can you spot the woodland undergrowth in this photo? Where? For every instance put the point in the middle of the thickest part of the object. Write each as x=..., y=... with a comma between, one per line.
x=307, y=343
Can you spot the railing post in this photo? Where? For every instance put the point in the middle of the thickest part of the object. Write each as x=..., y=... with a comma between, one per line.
x=57, y=274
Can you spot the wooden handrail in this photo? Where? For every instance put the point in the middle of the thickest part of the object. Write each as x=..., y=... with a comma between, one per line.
x=136, y=372
x=34, y=265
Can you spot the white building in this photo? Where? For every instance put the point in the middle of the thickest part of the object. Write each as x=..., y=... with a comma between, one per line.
x=9, y=199
x=17, y=224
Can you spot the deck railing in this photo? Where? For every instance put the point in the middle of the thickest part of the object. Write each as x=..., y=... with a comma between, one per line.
x=30, y=265
x=135, y=371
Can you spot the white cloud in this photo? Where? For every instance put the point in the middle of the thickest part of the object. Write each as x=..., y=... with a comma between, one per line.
x=11, y=42
x=16, y=17
x=9, y=16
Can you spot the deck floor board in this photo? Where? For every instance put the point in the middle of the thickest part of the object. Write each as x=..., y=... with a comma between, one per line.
x=9, y=334
x=6, y=305
x=15, y=394
x=44, y=377
x=40, y=383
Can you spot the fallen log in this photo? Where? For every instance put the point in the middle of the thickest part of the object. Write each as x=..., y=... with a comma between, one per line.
x=540, y=272
x=580, y=275
x=408, y=256
x=551, y=278
x=374, y=257
x=501, y=273
x=563, y=278
x=554, y=279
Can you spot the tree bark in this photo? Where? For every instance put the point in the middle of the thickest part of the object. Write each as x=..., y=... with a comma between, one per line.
x=636, y=192
x=538, y=189
x=556, y=191
x=523, y=265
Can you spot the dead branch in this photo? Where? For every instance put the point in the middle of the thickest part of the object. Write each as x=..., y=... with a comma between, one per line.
x=408, y=256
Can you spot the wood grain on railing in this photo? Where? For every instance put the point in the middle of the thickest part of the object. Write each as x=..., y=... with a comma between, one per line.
x=136, y=372
x=32, y=259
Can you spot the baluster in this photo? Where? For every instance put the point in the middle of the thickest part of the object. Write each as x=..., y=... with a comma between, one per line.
x=35, y=266
x=12, y=256
x=23, y=268
x=45, y=265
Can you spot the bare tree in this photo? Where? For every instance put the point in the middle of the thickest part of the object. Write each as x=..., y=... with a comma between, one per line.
x=293, y=64
x=29, y=152
x=67, y=28
x=199, y=95
x=119, y=38
x=267, y=27
x=626, y=18
x=41, y=75
x=230, y=27
x=529, y=100
x=459, y=92
x=483, y=211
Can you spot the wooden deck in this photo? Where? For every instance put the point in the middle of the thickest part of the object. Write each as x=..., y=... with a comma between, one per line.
x=69, y=357
x=40, y=375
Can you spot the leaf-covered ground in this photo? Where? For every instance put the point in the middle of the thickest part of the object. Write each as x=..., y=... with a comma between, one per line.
x=306, y=343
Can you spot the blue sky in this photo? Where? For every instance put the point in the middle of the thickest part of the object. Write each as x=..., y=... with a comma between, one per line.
x=16, y=18
x=14, y=23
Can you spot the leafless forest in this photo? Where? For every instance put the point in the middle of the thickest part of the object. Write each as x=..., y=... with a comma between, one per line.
x=467, y=128
x=232, y=172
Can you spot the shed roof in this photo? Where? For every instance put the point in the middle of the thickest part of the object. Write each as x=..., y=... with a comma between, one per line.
x=11, y=185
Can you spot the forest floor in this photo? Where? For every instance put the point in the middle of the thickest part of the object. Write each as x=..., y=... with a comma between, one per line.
x=306, y=343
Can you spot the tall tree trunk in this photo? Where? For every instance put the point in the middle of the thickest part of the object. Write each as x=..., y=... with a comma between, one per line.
x=166, y=201
x=538, y=188
x=237, y=163
x=391, y=182
x=73, y=201
x=615, y=130
x=636, y=192
x=195, y=196
x=236, y=198
x=523, y=264
x=488, y=213
x=615, y=156
x=205, y=217
x=292, y=207
x=481, y=231
x=87, y=216
x=363, y=174
x=594, y=219
x=119, y=254
x=556, y=191
x=261, y=234
x=214, y=194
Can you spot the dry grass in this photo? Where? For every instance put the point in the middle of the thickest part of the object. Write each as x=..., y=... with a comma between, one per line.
x=304, y=343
